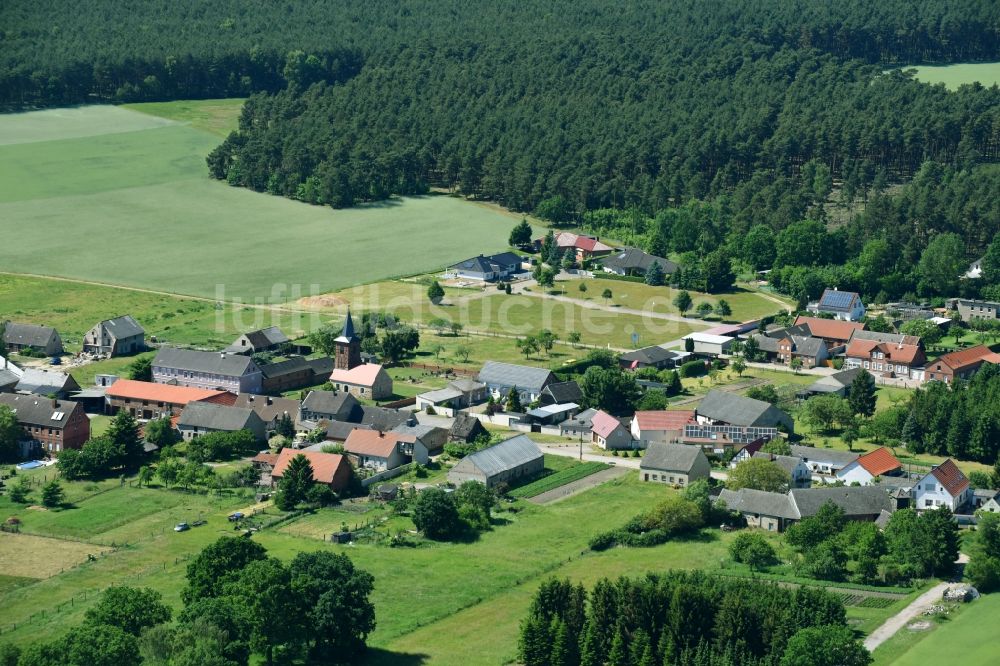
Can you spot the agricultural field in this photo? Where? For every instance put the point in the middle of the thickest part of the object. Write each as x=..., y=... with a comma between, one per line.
x=117, y=196
x=218, y=116
x=558, y=479
x=953, y=76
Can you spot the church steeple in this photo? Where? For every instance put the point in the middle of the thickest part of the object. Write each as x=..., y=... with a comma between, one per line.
x=348, y=351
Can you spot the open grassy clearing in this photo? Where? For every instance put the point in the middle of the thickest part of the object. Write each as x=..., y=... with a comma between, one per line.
x=970, y=631
x=35, y=557
x=953, y=76
x=145, y=194
x=218, y=116
x=71, y=123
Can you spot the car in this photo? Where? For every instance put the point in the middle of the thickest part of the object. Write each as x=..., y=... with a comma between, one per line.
x=234, y=517
x=181, y=527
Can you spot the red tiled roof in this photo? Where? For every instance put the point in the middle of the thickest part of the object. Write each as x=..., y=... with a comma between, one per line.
x=957, y=360
x=879, y=461
x=895, y=352
x=603, y=424
x=176, y=395
x=266, y=457
x=664, y=420
x=324, y=465
x=951, y=477
x=832, y=329
x=374, y=443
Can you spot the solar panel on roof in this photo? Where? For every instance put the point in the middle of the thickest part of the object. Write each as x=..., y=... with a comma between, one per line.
x=838, y=299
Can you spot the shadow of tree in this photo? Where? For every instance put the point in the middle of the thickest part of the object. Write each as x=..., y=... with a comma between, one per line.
x=380, y=657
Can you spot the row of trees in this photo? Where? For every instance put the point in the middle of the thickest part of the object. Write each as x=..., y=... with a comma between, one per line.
x=686, y=619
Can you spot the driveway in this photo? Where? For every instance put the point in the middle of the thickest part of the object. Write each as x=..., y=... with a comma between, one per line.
x=578, y=486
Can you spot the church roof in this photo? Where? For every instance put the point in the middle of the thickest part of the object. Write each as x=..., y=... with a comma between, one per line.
x=347, y=335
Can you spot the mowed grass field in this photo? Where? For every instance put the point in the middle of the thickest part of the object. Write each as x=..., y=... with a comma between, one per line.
x=119, y=196
x=970, y=636
x=953, y=76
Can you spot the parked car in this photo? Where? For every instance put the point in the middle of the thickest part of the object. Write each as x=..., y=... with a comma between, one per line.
x=233, y=517
x=181, y=527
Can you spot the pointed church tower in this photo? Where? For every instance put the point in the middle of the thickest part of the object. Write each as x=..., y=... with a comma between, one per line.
x=348, y=352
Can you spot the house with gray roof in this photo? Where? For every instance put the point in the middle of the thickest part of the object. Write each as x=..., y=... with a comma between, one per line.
x=458, y=394
x=48, y=424
x=43, y=339
x=725, y=408
x=47, y=383
x=839, y=383
x=330, y=406
x=529, y=382
x=798, y=472
x=511, y=460
x=776, y=511
x=843, y=305
x=120, y=336
x=559, y=393
x=466, y=428
x=8, y=381
x=649, y=357
x=429, y=440
x=488, y=268
x=580, y=425
x=824, y=461
x=210, y=370
x=253, y=342
x=201, y=418
x=674, y=464
x=633, y=261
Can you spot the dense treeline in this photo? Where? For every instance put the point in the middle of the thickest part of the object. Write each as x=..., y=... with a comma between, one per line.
x=684, y=619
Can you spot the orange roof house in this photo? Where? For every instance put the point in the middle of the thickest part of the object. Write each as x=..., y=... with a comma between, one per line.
x=833, y=331
x=379, y=450
x=660, y=426
x=959, y=364
x=866, y=468
x=148, y=400
x=891, y=358
x=330, y=469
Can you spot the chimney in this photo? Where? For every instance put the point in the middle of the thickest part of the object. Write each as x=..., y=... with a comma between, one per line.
x=269, y=401
x=55, y=403
x=222, y=354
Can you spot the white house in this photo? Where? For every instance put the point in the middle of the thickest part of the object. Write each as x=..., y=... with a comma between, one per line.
x=945, y=485
x=843, y=305
x=797, y=470
x=659, y=426
x=710, y=345
x=868, y=467
x=609, y=433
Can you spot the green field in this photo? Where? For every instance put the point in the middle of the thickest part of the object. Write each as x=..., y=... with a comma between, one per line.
x=558, y=479
x=969, y=636
x=218, y=116
x=122, y=197
x=953, y=76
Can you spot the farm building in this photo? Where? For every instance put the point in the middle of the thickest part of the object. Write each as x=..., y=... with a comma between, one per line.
x=707, y=344
x=120, y=336
x=960, y=364
x=47, y=383
x=559, y=393
x=201, y=418
x=44, y=339
x=253, y=342
x=466, y=429
x=210, y=370
x=53, y=425
x=776, y=511
x=459, y=394
x=740, y=412
x=674, y=464
x=529, y=382
x=149, y=400
x=510, y=460
x=839, y=383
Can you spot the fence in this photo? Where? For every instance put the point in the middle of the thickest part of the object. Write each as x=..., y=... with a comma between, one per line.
x=388, y=474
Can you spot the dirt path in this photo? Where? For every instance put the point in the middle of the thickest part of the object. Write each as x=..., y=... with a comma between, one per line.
x=903, y=617
x=578, y=486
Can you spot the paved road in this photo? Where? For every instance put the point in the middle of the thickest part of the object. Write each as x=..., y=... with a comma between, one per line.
x=905, y=616
x=578, y=486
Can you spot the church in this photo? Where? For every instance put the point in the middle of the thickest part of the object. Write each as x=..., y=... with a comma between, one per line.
x=350, y=374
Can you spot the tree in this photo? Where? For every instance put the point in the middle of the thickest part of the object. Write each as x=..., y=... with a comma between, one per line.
x=606, y=295
x=335, y=596
x=52, y=494
x=610, y=389
x=462, y=353
x=98, y=645
x=942, y=263
x=435, y=292
x=324, y=339
x=689, y=344
x=295, y=483
x=758, y=474
x=752, y=549
x=778, y=446
x=555, y=209
x=654, y=275
x=861, y=395
x=758, y=247
x=823, y=411
x=682, y=301
x=513, y=403
x=141, y=369
x=456, y=327
x=574, y=337
x=475, y=503
x=801, y=244
x=435, y=514
x=528, y=345
x=520, y=235
x=767, y=393
x=10, y=434
x=722, y=308
x=983, y=568
x=546, y=339
x=398, y=343
x=216, y=564
x=168, y=471
x=125, y=436
x=795, y=364
x=145, y=475
x=809, y=533
x=929, y=332
x=285, y=426
x=738, y=365
x=718, y=270
x=827, y=645
x=129, y=609
x=264, y=591
x=704, y=309
x=161, y=433
x=19, y=492
x=653, y=400
x=942, y=539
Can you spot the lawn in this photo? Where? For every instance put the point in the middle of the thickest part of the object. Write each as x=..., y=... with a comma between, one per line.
x=558, y=479
x=953, y=76
x=968, y=635
x=218, y=116
x=154, y=219
x=33, y=557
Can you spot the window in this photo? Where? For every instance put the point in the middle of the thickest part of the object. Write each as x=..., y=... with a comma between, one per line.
x=928, y=503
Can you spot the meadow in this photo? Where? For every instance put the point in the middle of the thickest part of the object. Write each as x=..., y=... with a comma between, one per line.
x=953, y=76
x=117, y=196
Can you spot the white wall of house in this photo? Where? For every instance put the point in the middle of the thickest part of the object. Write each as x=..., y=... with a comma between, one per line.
x=854, y=472
x=930, y=494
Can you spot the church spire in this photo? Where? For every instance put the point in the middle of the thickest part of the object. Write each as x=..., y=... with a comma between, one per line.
x=348, y=327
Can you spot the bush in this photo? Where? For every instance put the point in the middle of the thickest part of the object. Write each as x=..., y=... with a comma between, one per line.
x=752, y=549
x=692, y=369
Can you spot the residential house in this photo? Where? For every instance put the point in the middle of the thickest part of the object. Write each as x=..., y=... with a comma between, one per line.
x=120, y=336
x=581, y=425
x=8, y=380
x=944, y=485
x=975, y=270
x=776, y=511
x=973, y=309
x=649, y=426
x=51, y=424
x=649, y=357
x=294, y=373
x=511, y=460
x=608, y=433
x=270, y=410
x=582, y=247
x=47, y=383
x=529, y=382
x=466, y=428
x=560, y=393
x=783, y=347
x=845, y=305
x=330, y=469
x=991, y=505
x=430, y=440
x=148, y=400
x=210, y=370
x=458, y=394
x=378, y=451
x=960, y=364
x=983, y=496
x=886, y=354
x=740, y=412
x=839, y=383
x=834, y=332
x=869, y=466
x=674, y=464
x=633, y=261
x=261, y=340
x=381, y=418
x=707, y=344
x=741, y=452
x=263, y=463
x=824, y=461
x=488, y=268
x=330, y=406
x=201, y=418
x=44, y=339
x=367, y=380
x=551, y=415
x=798, y=471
